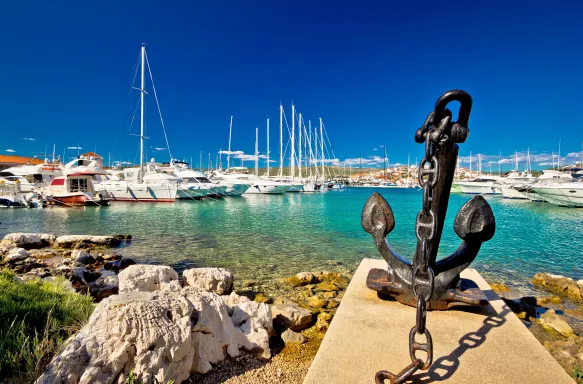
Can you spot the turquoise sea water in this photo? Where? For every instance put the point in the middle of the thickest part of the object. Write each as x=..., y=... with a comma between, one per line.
x=265, y=237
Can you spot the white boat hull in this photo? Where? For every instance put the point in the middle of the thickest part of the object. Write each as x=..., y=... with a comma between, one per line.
x=511, y=193
x=478, y=188
x=267, y=189
x=139, y=192
x=567, y=194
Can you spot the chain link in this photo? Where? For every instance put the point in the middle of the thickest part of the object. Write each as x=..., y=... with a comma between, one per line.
x=425, y=229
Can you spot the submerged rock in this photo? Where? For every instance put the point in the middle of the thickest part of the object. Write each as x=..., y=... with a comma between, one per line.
x=148, y=278
x=217, y=280
x=86, y=241
x=29, y=240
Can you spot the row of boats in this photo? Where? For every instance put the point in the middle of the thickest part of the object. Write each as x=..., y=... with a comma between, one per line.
x=84, y=181
x=559, y=187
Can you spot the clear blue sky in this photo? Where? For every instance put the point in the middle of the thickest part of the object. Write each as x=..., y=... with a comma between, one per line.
x=371, y=69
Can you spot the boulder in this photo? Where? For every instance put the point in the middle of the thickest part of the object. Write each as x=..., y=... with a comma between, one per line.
x=291, y=316
x=29, y=240
x=559, y=284
x=553, y=323
x=306, y=278
x=86, y=241
x=253, y=326
x=148, y=333
x=217, y=280
x=289, y=337
x=160, y=336
x=17, y=254
x=82, y=257
x=148, y=278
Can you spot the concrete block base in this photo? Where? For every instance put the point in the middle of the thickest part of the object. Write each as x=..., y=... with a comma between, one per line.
x=471, y=345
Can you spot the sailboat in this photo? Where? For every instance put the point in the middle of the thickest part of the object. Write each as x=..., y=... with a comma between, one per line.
x=143, y=184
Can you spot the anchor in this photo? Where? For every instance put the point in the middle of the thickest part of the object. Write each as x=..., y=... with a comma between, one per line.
x=426, y=283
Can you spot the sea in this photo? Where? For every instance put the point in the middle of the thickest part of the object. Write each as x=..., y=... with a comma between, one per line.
x=266, y=237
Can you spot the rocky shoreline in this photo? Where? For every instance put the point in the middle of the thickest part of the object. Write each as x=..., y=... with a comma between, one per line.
x=205, y=327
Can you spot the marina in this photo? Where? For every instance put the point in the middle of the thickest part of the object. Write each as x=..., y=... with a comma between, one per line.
x=271, y=236
x=295, y=193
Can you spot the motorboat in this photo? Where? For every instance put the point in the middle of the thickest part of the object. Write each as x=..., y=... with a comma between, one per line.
x=74, y=190
x=17, y=192
x=36, y=175
x=568, y=194
x=257, y=184
x=195, y=184
x=482, y=185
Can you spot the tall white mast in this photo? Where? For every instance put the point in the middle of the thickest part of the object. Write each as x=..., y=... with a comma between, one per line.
x=229, y=151
x=310, y=141
x=280, y=140
x=268, y=147
x=210, y=164
x=142, y=90
x=300, y=146
x=256, y=151
x=322, y=149
x=293, y=152
x=470, y=163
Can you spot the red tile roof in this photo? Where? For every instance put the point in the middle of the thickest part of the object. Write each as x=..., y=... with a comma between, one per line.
x=12, y=159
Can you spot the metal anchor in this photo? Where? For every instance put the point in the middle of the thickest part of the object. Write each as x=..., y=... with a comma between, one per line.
x=438, y=282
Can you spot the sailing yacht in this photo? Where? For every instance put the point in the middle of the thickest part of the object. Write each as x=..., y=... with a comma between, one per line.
x=143, y=184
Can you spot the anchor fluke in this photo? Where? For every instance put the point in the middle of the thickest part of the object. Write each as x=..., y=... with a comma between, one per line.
x=475, y=221
x=377, y=217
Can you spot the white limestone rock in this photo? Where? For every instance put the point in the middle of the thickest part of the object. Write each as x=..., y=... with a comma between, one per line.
x=163, y=335
x=148, y=278
x=148, y=333
x=29, y=240
x=17, y=254
x=253, y=325
x=217, y=280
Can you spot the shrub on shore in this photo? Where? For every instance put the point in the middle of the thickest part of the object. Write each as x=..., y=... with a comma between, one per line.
x=35, y=319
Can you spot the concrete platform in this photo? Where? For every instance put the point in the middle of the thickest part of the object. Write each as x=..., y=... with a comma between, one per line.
x=488, y=345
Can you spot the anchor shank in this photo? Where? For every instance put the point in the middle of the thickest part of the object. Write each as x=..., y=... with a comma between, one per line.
x=447, y=158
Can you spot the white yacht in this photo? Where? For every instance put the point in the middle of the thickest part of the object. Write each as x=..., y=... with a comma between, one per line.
x=36, y=175
x=195, y=184
x=568, y=194
x=258, y=185
x=146, y=184
x=482, y=185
